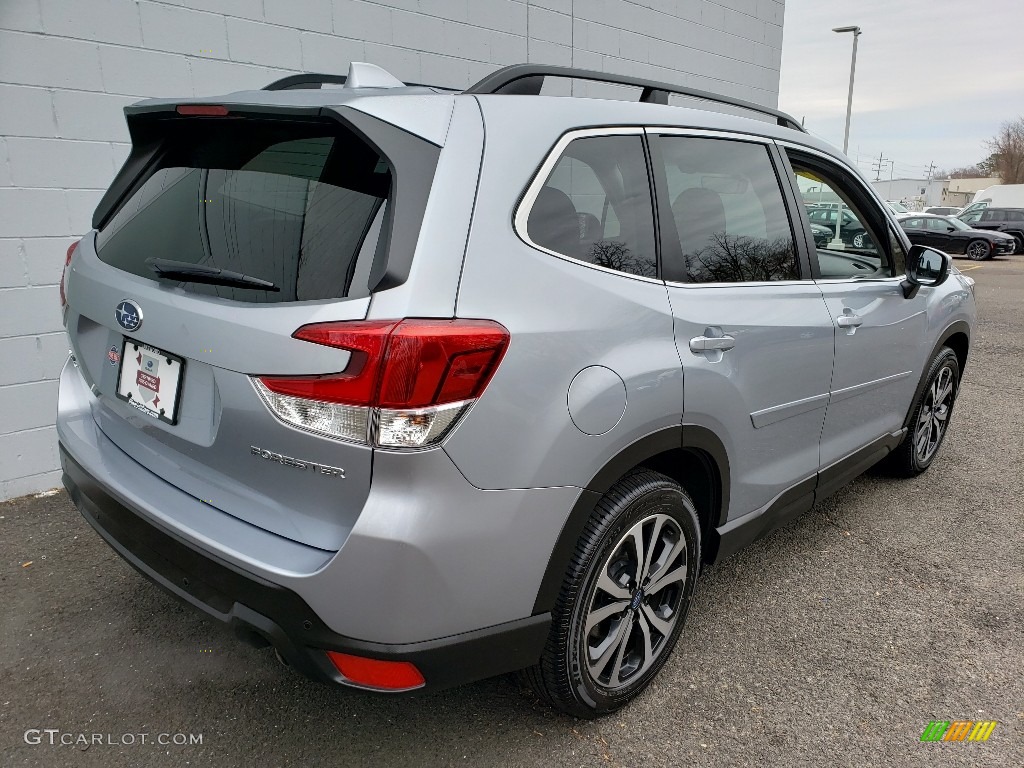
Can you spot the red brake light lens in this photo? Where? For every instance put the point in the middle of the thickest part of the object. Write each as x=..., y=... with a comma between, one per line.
x=63, y=273
x=401, y=364
x=389, y=675
x=202, y=110
x=433, y=362
x=357, y=384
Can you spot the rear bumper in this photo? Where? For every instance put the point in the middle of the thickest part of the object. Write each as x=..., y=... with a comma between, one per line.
x=262, y=612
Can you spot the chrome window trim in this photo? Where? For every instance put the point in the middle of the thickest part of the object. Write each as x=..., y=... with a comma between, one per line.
x=709, y=133
x=745, y=284
x=522, y=213
x=837, y=280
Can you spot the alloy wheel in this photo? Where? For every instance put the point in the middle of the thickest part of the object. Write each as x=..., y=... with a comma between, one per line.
x=934, y=416
x=977, y=250
x=635, y=603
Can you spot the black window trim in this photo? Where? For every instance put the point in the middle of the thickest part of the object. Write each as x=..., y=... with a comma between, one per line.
x=862, y=191
x=521, y=213
x=669, y=239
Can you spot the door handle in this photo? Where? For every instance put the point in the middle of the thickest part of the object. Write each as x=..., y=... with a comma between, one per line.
x=711, y=343
x=849, y=321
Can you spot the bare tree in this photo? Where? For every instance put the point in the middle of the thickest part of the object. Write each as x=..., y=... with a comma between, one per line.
x=738, y=258
x=1008, y=147
x=616, y=255
x=967, y=172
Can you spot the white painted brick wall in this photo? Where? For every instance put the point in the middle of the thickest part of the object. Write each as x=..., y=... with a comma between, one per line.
x=68, y=67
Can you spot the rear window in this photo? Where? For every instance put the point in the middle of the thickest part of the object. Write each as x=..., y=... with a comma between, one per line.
x=299, y=204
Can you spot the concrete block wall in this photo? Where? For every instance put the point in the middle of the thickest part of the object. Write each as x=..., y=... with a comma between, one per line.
x=68, y=67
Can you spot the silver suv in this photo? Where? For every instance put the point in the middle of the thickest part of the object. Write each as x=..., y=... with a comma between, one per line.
x=420, y=386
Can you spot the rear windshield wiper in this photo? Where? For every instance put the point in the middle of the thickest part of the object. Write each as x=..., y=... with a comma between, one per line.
x=198, y=273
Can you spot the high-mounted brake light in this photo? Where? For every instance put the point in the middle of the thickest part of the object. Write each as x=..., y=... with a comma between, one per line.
x=406, y=383
x=202, y=110
x=64, y=272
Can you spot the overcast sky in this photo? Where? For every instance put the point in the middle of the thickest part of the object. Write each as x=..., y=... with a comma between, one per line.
x=935, y=78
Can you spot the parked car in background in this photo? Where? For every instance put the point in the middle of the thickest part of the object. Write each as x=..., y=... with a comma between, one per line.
x=998, y=195
x=851, y=232
x=950, y=234
x=942, y=210
x=897, y=207
x=1010, y=221
x=822, y=235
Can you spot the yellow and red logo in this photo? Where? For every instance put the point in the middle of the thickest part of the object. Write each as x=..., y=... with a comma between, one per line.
x=958, y=730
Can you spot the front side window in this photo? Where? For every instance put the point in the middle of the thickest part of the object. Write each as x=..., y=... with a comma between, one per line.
x=971, y=217
x=856, y=249
x=595, y=206
x=728, y=212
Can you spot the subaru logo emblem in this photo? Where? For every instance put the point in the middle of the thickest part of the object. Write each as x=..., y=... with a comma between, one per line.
x=128, y=315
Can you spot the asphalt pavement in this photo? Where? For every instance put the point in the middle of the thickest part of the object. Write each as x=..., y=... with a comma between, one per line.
x=833, y=642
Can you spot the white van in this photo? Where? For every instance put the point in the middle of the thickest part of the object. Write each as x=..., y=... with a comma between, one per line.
x=1001, y=195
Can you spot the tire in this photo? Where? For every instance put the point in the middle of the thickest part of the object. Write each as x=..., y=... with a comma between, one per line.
x=861, y=240
x=589, y=673
x=1018, y=246
x=914, y=455
x=978, y=250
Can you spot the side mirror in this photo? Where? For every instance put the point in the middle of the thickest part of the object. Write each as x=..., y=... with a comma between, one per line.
x=925, y=266
x=951, y=229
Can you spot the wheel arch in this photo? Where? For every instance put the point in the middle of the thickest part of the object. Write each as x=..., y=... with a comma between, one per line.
x=691, y=455
x=957, y=337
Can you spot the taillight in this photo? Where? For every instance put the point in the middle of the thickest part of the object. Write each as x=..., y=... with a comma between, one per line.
x=63, y=273
x=406, y=383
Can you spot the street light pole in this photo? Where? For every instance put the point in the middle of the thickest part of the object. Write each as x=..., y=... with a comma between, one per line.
x=853, y=69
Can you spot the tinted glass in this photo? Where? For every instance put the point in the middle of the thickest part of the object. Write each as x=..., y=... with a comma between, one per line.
x=289, y=203
x=938, y=225
x=971, y=217
x=728, y=211
x=852, y=251
x=990, y=216
x=1015, y=215
x=596, y=206
x=912, y=223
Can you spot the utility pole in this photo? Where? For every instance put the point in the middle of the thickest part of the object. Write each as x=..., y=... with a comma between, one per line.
x=877, y=167
x=928, y=184
x=892, y=168
x=931, y=169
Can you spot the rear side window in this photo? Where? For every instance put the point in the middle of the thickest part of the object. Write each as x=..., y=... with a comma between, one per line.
x=298, y=204
x=596, y=206
x=728, y=212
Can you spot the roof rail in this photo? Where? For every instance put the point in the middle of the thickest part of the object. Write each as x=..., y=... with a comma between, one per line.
x=527, y=79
